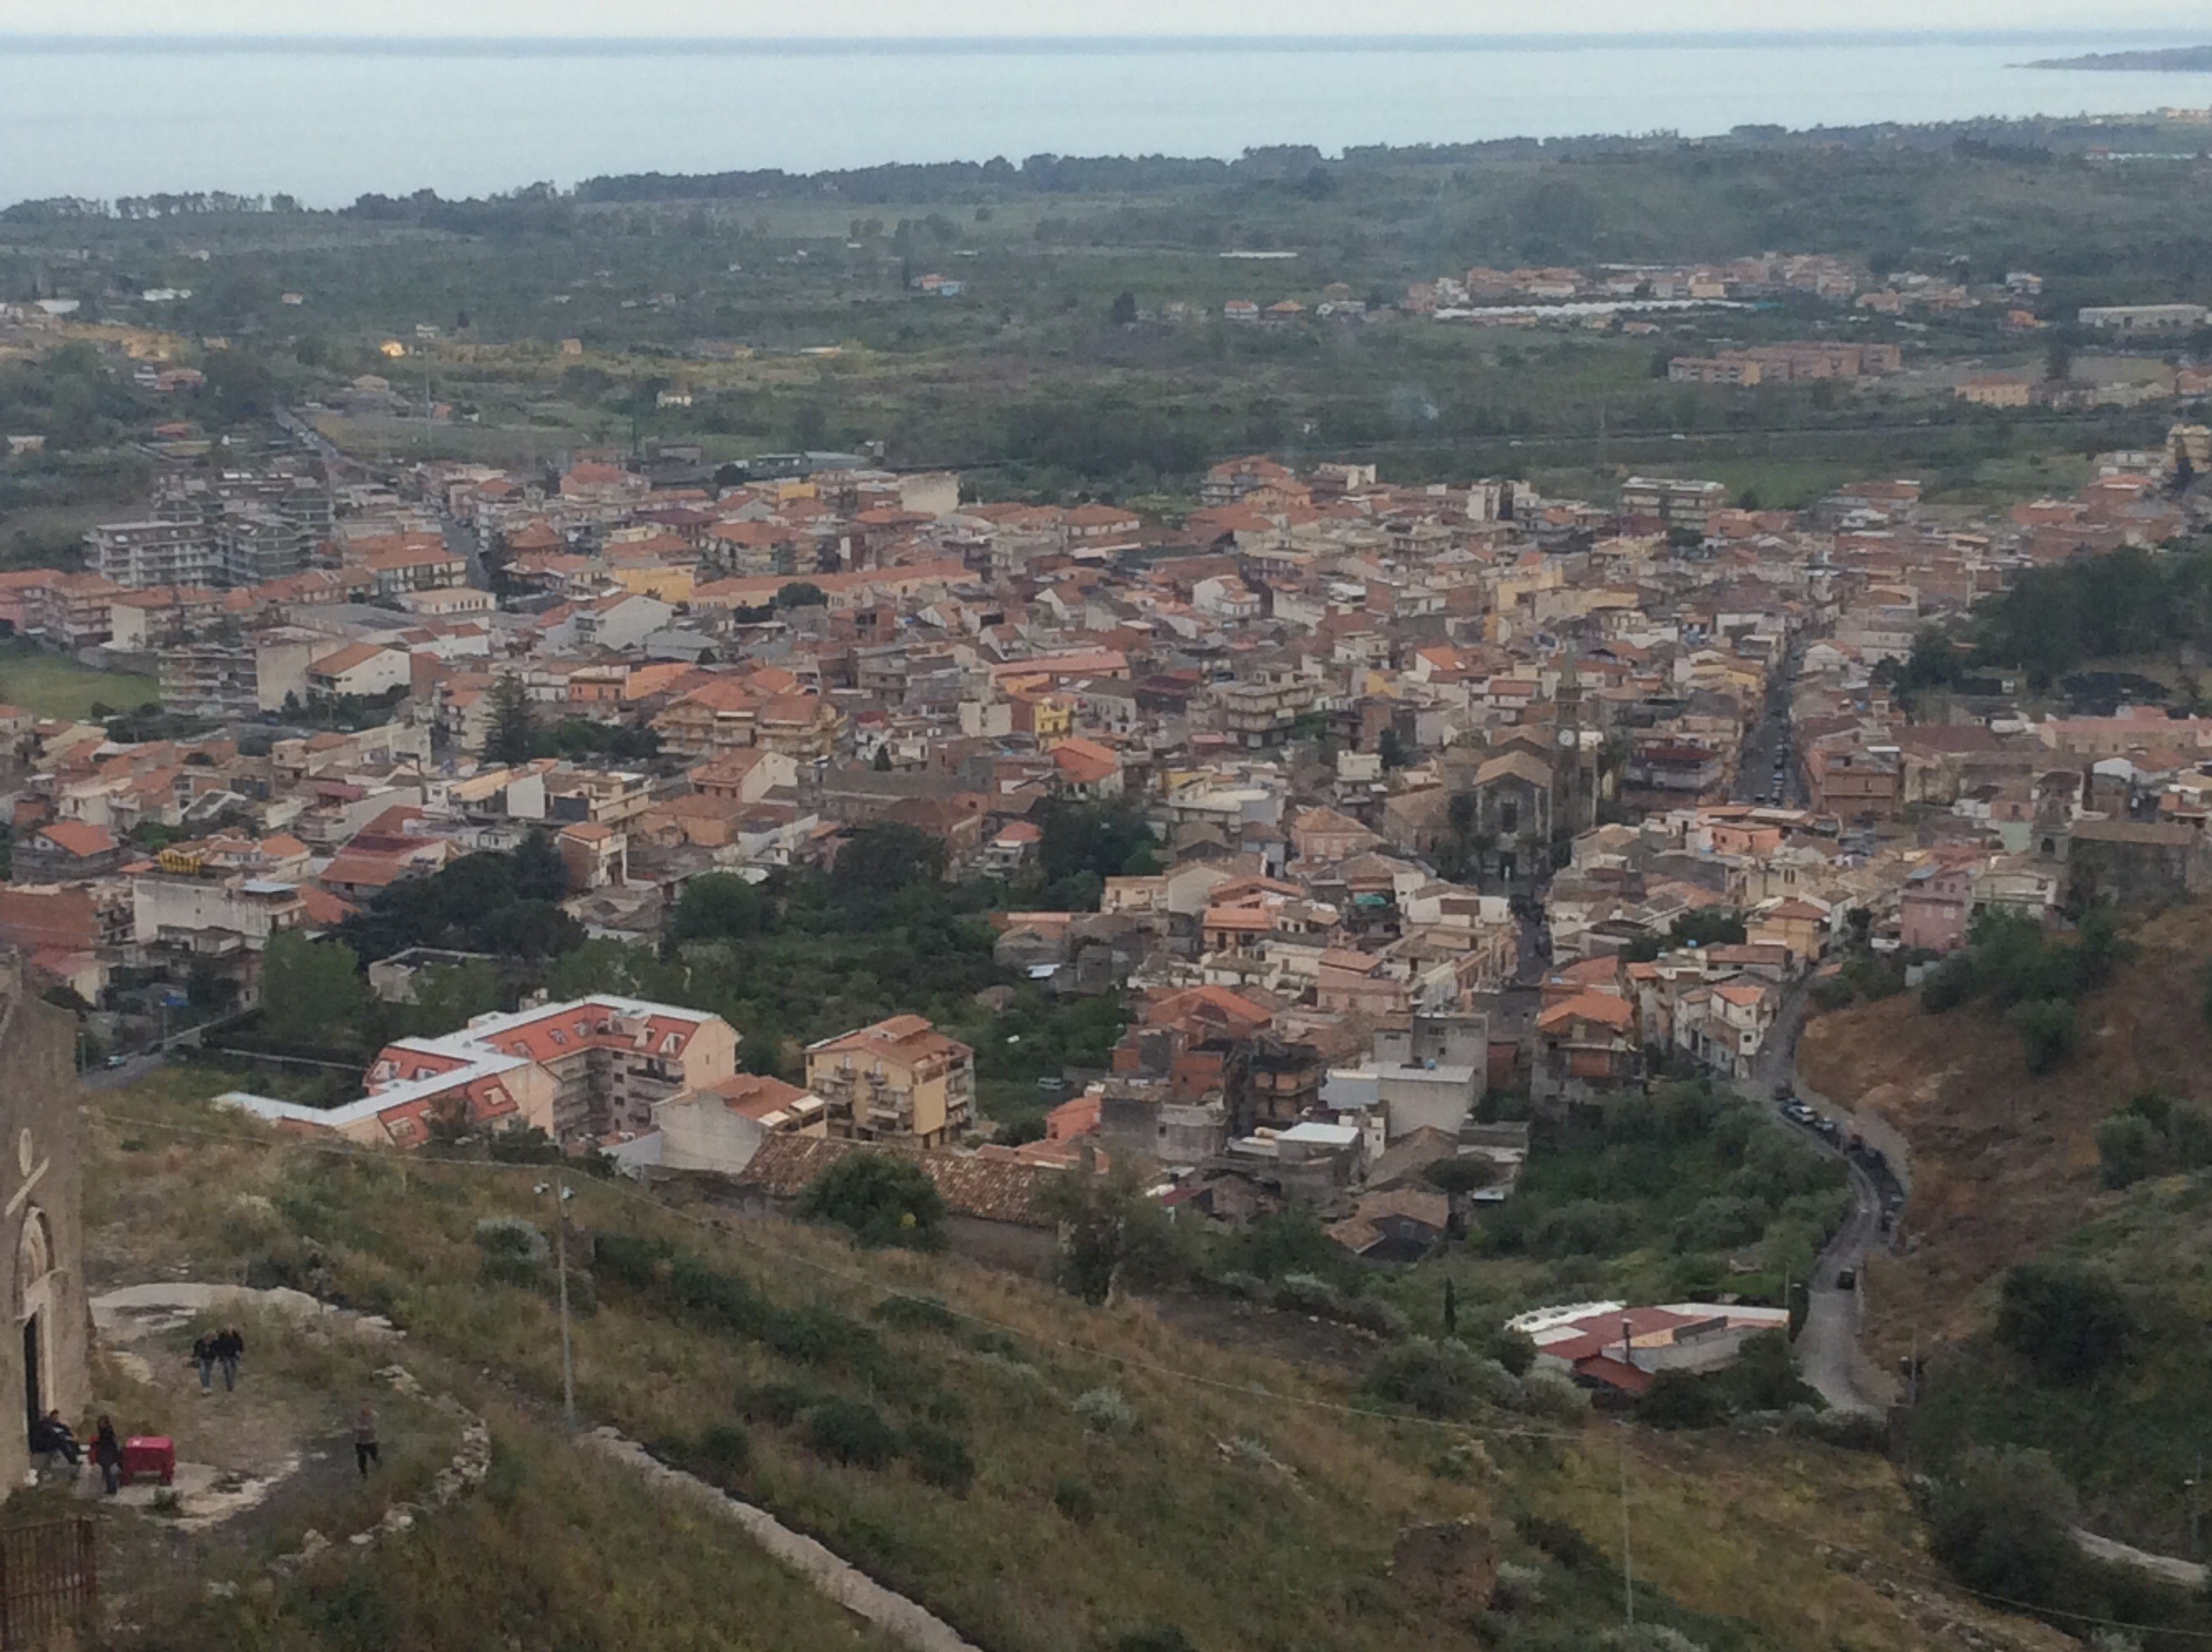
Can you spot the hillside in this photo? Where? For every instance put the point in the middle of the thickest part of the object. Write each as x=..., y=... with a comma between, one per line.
x=953, y=1443
x=2004, y=1163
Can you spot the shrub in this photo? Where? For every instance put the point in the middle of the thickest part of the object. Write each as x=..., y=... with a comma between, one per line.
x=627, y=1258
x=1832, y=993
x=505, y=1267
x=510, y=1236
x=851, y=1431
x=1720, y=1223
x=941, y=1458
x=1105, y=1410
x=1949, y=985
x=882, y=1200
x=725, y=1449
x=1441, y=1379
x=781, y=1403
x=1563, y=1542
x=2002, y=1521
x=1547, y=1393
x=2128, y=1148
x=1511, y=1348
x=1518, y=1588
x=818, y=1335
x=1370, y=1313
x=2047, y=1032
x=904, y=1313
x=1682, y=1399
x=1169, y=1639
x=1583, y=1227
x=1074, y=1499
x=2070, y=1324
x=1301, y=1293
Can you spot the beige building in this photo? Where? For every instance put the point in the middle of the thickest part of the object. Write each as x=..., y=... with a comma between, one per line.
x=900, y=1080
x=721, y=1126
x=41, y=1159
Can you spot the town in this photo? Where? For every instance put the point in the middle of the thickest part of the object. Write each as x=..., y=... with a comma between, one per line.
x=1444, y=793
x=1303, y=916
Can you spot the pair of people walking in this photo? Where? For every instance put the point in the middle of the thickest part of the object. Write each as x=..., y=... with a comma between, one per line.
x=219, y=1350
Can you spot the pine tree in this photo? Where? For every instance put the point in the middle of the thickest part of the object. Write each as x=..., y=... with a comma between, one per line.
x=514, y=731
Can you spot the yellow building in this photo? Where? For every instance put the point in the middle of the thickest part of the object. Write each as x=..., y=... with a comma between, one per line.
x=899, y=1080
x=668, y=584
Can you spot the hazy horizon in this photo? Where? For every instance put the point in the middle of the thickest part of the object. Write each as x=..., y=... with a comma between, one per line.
x=1364, y=41
x=754, y=22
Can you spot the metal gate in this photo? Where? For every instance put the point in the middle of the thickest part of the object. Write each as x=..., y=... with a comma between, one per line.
x=49, y=1582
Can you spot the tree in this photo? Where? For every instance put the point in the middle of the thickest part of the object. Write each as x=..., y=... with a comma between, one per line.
x=1124, y=311
x=883, y=1200
x=2047, y=1032
x=239, y=387
x=2058, y=361
x=514, y=736
x=536, y=870
x=2002, y=1520
x=1707, y=926
x=2128, y=1148
x=311, y=991
x=1109, y=1230
x=801, y=593
x=450, y=996
x=2071, y=1324
x=718, y=906
x=884, y=857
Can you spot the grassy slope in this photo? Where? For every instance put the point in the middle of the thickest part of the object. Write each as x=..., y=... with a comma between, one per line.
x=2130, y=1443
x=1287, y=1545
x=2004, y=1164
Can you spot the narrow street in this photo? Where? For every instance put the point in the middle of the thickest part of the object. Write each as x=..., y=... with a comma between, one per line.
x=1827, y=1346
x=1768, y=745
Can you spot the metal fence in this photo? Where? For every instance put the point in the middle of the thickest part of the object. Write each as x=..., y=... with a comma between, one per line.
x=49, y=1582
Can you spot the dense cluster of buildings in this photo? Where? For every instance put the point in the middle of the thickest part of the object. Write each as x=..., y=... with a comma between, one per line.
x=1367, y=723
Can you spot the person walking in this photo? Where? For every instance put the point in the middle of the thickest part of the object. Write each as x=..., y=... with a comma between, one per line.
x=364, y=1439
x=203, y=1357
x=108, y=1453
x=229, y=1345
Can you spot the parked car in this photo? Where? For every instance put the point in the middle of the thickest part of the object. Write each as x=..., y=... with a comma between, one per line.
x=1847, y=1279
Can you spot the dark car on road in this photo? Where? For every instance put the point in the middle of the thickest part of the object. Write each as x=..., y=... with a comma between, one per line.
x=1847, y=1279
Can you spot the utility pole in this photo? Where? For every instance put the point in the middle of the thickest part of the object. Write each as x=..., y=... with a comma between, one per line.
x=1627, y=1557
x=2196, y=1505
x=561, y=1268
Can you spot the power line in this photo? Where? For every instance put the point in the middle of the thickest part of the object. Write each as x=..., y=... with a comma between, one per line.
x=756, y=1243
x=1151, y=1368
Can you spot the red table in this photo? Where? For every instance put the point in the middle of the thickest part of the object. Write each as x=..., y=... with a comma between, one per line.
x=150, y=1455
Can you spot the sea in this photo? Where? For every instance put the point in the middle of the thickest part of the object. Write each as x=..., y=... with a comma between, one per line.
x=328, y=121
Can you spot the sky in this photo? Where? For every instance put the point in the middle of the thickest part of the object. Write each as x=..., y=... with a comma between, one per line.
x=755, y=18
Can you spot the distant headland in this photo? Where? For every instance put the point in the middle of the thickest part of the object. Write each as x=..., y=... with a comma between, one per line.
x=2174, y=59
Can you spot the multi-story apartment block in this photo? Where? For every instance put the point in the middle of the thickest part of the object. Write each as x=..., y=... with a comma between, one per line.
x=157, y=551
x=899, y=1080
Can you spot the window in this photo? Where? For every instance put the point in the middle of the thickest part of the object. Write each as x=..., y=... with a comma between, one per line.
x=1508, y=815
x=560, y=1037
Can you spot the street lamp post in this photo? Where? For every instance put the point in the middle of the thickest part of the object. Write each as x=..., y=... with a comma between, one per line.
x=561, y=1195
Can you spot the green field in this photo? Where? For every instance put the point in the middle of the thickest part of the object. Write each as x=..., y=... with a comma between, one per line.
x=53, y=685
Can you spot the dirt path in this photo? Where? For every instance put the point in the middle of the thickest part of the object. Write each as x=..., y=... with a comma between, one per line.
x=145, y=1315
